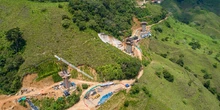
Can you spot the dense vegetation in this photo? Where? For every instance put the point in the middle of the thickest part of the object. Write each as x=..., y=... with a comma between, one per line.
x=114, y=17
x=60, y=104
x=125, y=69
x=10, y=60
x=111, y=16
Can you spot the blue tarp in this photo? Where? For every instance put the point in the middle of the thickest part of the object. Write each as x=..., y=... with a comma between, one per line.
x=73, y=84
x=104, y=98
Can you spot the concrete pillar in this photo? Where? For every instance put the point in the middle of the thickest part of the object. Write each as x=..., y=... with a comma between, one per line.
x=143, y=24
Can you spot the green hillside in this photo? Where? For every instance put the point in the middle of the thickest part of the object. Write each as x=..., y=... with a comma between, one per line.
x=43, y=27
x=201, y=14
x=174, y=48
x=183, y=51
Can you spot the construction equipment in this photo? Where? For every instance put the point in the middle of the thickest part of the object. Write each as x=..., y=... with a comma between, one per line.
x=64, y=61
x=95, y=96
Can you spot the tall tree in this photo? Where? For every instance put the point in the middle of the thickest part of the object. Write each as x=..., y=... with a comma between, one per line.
x=15, y=36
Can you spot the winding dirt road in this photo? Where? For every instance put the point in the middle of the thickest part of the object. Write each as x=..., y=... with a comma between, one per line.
x=39, y=90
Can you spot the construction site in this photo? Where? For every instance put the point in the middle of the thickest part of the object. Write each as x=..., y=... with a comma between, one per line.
x=91, y=98
x=129, y=45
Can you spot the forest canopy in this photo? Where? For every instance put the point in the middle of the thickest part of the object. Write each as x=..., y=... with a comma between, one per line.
x=110, y=16
x=10, y=60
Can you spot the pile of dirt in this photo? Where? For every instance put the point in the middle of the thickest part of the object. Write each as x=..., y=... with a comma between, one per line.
x=30, y=81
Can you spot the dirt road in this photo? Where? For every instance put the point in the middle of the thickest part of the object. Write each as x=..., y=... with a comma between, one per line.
x=39, y=90
x=149, y=26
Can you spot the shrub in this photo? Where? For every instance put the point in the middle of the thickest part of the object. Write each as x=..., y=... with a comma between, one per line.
x=65, y=17
x=215, y=65
x=195, y=45
x=168, y=76
x=180, y=62
x=74, y=73
x=145, y=90
x=218, y=96
x=215, y=42
x=159, y=29
x=78, y=88
x=195, y=75
x=190, y=82
x=210, y=52
x=200, y=90
x=66, y=23
x=22, y=103
x=177, y=42
x=164, y=55
x=158, y=74
x=135, y=90
x=60, y=6
x=56, y=78
x=181, y=55
x=43, y=10
x=145, y=62
x=207, y=84
x=212, y=90
x=126, y=103
x=85, y=86
x=173, y=60
x=203, y=71
x=167, y=24
x=184, y=101
x=207, y=76
x=16, y=37
x=187, y=68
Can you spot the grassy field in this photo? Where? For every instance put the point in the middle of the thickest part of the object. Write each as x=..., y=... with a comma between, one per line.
x=197, y=59
x=165, y=95
x=42, y=29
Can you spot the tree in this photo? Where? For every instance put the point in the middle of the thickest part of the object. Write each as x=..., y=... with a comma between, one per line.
x=82, y=25
x=207, y=76
x=15, y=36
x=195, y=45
x=218, y=96
x=168, y=76
x=180, y=62
x=126, y=103
x=207, y=84
x=65, y=23
x=135, y=89
x=85, y=86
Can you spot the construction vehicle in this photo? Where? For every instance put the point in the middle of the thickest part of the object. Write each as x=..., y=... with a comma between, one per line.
x=96, y=96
